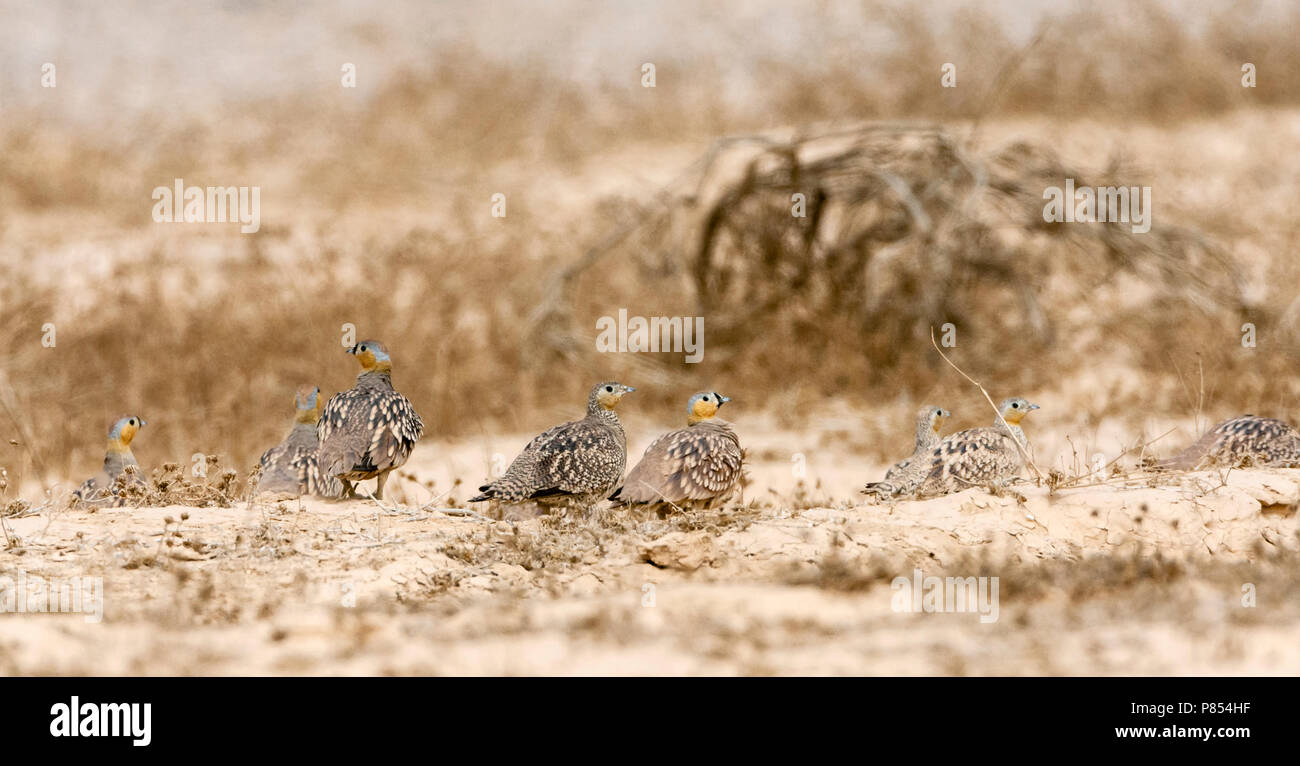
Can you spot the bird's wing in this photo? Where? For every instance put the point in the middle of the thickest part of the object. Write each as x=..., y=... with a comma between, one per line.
x=397, y=427
x=700, y=462
x=580, y=457
x=704, y=462
x=975, y=456
x=366, y=430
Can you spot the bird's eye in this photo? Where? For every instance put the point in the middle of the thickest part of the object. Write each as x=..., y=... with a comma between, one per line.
x=132, y=421
x=1015, y=405
x=705, y=398
x=363, y=348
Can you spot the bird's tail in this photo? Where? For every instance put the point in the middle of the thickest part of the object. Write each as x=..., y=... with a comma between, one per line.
x=880, y=489
x=1189, y=458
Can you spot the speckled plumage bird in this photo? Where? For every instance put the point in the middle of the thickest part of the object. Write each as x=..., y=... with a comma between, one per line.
x=370, y=429
x=698, y=464
x=291, y=466
x=906, y=475
x=102, y=488
x=576, y=463
x=979, y=457
x=1243, y=439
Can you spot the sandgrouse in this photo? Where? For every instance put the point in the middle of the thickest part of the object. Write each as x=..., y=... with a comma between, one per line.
x=575, y=463
x=1243, y=439
x=370, y=429
x=979, y=457
x=698, y=464
x=906, y=475
x=292, y=466
x=104, y=488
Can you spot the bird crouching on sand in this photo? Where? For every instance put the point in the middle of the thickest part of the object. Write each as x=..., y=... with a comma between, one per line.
x=1240, y=440
x=370, y=429
x=292, y=466
x=699, y=464
x=908, y=473
x=105, y=487
x=575, y=463
x=979, y=457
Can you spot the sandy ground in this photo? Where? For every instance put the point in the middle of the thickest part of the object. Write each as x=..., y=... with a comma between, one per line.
x=1138, y=576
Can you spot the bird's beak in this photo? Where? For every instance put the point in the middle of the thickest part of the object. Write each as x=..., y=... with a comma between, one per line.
x=142, y=423
x=628, y=389
x=1033, y=406
x=723, y=399
x=350, y=350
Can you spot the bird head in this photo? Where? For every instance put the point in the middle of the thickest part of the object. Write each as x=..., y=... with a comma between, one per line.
x=607, y=395
x=308, y=404
x=933, y=416
x=1013, y=410
x=123, y=431
x=704, y=405
x=373, y=356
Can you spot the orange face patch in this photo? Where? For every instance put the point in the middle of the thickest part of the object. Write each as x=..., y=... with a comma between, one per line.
x=127, y=433
x=703, y=410
x=367, y=359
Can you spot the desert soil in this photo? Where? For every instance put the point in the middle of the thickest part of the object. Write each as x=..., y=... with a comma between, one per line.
x=1138, y=575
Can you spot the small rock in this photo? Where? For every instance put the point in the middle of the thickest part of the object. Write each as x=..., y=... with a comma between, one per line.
x=681, y=550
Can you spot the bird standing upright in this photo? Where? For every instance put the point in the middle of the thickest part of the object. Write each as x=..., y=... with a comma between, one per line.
x=103, y=486
x=370, y=429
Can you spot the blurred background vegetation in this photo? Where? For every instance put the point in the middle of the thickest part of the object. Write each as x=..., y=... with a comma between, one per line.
x=376, y=210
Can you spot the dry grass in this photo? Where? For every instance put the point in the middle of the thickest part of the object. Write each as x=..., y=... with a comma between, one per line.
x=378, y=217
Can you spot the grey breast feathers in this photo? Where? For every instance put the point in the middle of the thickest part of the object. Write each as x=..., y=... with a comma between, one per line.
x=103, y=488
x=699, y=462
x=364, y=432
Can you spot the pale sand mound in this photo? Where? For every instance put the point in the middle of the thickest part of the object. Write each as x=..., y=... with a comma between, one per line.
x=1139, y=579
